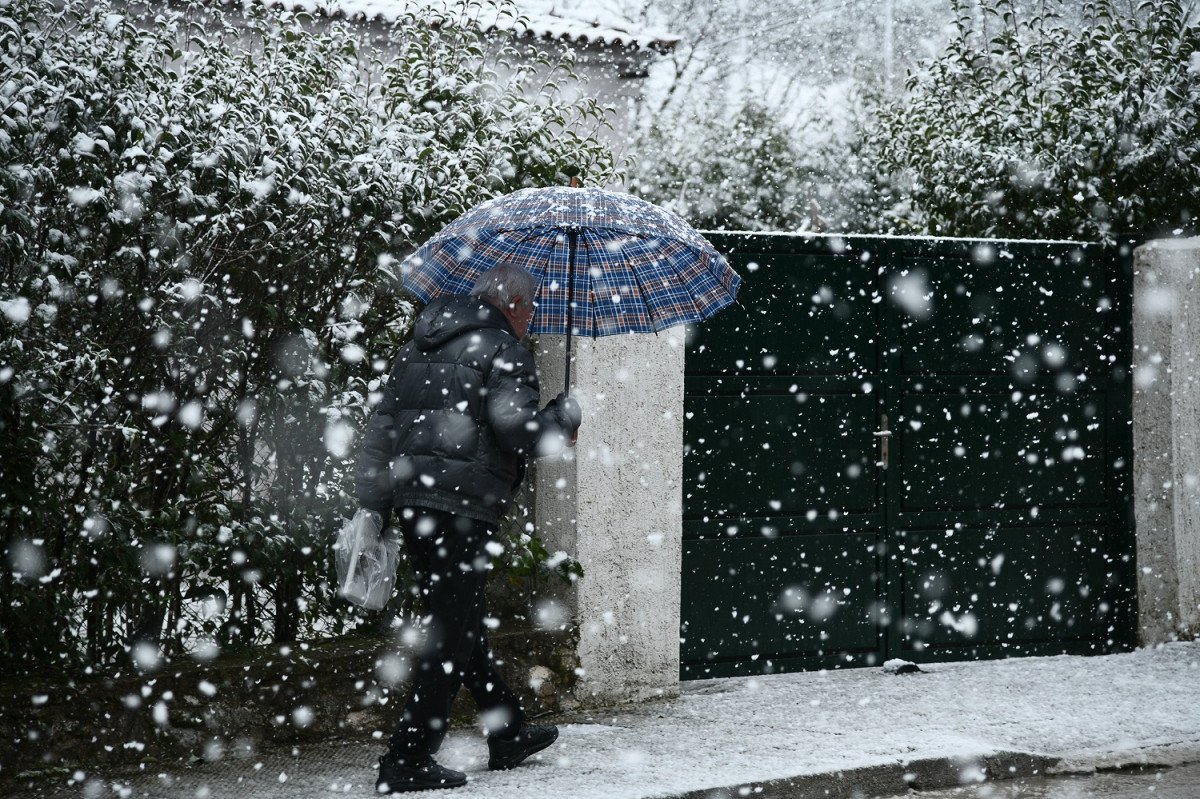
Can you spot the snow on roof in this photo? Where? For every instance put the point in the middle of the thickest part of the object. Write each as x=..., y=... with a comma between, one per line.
x=584, y=22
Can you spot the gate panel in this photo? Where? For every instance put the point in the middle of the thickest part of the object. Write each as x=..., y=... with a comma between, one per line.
x=802, y=314
x=976, y=450
x=1007, y=590
x=772, y=600
x=794, y=452
x=779, y=469
x=999, y=520
x=1002, y=391
x=976, y=315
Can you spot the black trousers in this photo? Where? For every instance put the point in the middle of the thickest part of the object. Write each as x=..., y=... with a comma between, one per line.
x=449, y=558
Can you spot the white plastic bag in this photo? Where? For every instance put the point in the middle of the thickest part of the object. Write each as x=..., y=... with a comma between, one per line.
x=366, y=560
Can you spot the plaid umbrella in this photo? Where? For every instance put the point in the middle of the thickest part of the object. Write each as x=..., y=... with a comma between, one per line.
x=605, y=262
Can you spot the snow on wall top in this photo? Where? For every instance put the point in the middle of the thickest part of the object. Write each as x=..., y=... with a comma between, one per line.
x=584, y=22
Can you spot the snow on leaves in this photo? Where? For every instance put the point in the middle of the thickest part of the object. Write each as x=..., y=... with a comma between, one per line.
x=1053, y=122
x=197, y=213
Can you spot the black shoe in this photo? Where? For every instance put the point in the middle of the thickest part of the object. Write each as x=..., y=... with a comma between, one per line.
x=508, y=752
x=396, y=776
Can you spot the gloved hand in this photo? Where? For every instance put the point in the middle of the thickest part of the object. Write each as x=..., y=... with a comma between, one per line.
x=567, y=412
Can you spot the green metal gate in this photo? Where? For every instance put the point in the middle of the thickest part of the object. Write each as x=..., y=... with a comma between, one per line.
x=908, y=448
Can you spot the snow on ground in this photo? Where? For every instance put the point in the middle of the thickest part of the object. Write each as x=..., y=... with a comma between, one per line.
x=728, y=732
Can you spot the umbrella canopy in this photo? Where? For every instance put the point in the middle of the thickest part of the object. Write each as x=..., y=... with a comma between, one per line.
x=605, y=262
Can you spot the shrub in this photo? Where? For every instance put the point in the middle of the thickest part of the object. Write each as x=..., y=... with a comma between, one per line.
x=745, y=170
x=199, y=219
x=1045, y=127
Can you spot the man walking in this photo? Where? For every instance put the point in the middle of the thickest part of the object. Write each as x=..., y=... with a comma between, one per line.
x=445, y=450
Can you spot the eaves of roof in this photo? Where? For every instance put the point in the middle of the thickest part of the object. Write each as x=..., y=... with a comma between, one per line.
x=535, y=19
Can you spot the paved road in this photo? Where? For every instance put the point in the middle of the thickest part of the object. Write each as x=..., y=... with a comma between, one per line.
x=1176, y=783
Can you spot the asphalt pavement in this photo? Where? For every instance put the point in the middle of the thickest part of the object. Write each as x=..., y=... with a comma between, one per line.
x=1157, y=783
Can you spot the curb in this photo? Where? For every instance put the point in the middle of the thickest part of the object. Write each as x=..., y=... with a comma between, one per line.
x=936, y=773
x=889, y=779
x=1149, y=756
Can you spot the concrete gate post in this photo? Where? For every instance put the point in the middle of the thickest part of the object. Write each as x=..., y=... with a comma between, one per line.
x=615, y=504
x=1166, y=437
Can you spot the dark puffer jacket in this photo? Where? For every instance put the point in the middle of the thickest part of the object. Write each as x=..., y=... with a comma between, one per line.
x=458, y=418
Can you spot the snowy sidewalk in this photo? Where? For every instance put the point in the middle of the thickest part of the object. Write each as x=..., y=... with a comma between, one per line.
x=791, y=735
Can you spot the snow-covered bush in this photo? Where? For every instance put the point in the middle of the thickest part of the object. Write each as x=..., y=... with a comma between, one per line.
x=1032, y=124
x=745, y=169
x=200, y=216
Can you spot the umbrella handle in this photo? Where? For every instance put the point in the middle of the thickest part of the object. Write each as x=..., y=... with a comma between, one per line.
x=571, y=244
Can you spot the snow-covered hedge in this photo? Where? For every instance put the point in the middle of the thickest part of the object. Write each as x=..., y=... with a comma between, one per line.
x=200, y=215
x=1050, y=119
x=1034, y=125
x=738, y=171
x=745, y=169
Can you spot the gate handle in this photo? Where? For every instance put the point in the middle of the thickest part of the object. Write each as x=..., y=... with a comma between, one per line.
x=884, y=436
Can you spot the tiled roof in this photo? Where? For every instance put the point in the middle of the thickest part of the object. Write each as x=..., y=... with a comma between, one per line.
x=584, y=22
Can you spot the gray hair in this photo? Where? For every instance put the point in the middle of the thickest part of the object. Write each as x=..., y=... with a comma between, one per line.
x=500, y=284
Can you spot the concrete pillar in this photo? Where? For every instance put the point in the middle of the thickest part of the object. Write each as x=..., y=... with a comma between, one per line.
x=615, y=504
x=1166, y=437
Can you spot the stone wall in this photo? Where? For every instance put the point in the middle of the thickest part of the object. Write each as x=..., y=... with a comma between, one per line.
x=615, y=503
x=1166, y=437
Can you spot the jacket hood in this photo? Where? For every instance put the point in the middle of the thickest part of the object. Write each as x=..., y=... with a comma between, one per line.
x=449, y=317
